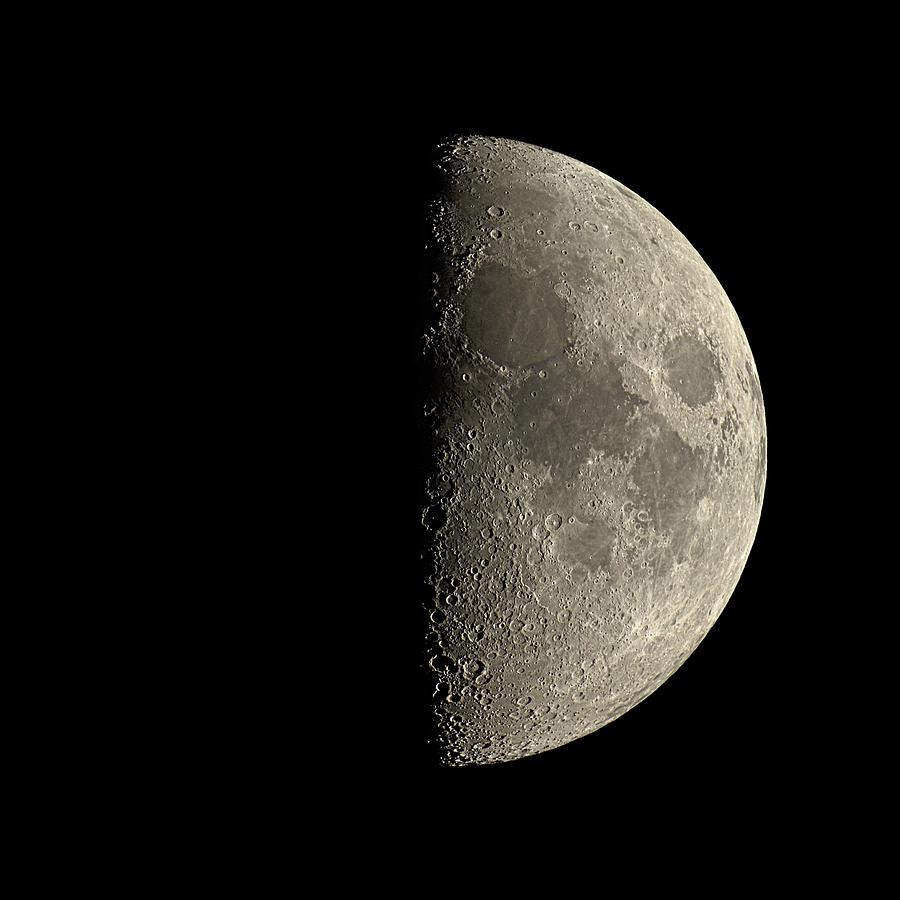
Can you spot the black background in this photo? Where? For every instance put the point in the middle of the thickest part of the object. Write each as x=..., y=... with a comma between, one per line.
x=301, y=625
x=761, y=185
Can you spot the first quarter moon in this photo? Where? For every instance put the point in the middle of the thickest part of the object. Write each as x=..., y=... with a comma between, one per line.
x=596, y=453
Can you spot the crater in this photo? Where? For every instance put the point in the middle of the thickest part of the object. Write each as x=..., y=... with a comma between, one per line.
x=691, y=370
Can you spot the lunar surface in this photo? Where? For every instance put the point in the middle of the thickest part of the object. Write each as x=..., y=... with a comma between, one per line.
x=596, y=450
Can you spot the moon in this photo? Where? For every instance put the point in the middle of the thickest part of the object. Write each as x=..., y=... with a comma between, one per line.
x=596, y=456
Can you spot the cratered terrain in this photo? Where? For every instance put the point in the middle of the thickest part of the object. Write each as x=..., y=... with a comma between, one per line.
x=597, y=450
